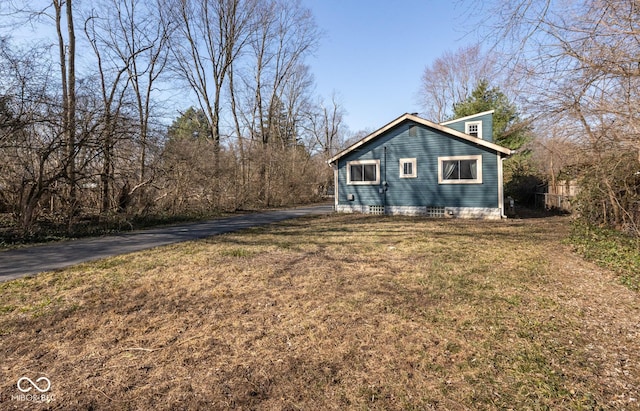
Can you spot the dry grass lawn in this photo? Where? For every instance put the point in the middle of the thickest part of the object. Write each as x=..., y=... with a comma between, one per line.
x=331, y=313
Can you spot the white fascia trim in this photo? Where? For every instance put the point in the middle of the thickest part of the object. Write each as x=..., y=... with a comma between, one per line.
x=368, y=138
x=444, y=123
x=416, y=119
x=475, y=140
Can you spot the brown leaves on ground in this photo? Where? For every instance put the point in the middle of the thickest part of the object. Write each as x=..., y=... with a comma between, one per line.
x=339, y=312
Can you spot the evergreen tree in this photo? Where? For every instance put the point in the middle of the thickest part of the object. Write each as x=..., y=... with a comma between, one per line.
x=192, y=124
x=510, y=131
x=508, y=128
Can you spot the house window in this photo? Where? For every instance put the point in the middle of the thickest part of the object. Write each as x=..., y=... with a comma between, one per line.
x=408, y=168
x=460, y=170
x=413, y=130
x=363, y=172
x=473, y=128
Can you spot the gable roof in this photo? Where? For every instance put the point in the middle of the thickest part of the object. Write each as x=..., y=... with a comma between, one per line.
x=427, y=123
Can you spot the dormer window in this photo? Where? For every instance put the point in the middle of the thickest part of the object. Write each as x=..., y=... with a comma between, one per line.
x=473, y=128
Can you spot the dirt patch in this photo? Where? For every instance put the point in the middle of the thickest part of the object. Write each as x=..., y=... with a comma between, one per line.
x=339, y=312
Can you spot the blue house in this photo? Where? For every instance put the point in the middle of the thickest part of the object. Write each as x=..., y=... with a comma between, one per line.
x=417, y=167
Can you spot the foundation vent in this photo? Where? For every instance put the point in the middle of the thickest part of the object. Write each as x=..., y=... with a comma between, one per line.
x=376, y=209
x=435, y=212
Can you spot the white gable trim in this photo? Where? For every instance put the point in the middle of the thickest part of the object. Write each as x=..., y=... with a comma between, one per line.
x=367, y=138
x=444, y=123
x=427, y=123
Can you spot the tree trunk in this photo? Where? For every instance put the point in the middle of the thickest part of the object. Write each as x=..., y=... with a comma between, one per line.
x=68, y=77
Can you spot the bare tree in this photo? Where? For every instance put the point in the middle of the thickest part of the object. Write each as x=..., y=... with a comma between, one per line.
x=451, y=78
x=140, y=38
x=113, y=85
x=32, y=155
x=326, y=125
x=130, y=47
x=582, y=69
x=209, y=37
x=277, y=83
x=85, y=143
x=285, y=33
x=61, y=13
x=67, y=59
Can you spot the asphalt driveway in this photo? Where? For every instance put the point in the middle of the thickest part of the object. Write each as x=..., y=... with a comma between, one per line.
x=32, y=260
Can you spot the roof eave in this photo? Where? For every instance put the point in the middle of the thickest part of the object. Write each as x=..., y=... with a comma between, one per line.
x=444, y=123
x=369, y=137
x=416, y=119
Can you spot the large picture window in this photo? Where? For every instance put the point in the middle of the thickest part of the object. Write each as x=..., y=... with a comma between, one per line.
x=460, y=170
x=363, y=172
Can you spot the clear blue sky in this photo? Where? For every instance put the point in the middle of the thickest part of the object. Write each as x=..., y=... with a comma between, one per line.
x=373, y=53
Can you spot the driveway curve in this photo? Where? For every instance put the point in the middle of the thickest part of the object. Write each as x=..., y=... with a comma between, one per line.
x=33, y=260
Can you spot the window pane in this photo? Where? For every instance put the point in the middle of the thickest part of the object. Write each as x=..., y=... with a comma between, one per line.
x=468, y=169
x=450, y=170
x=463, y=171
x=356, y=172
x=473, y=130
x=407, y=169
x=369, y=172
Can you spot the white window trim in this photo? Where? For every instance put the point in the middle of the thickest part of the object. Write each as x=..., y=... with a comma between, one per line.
x=363, y=162
x=469, y=123
x=414, y=168
x=477, y=180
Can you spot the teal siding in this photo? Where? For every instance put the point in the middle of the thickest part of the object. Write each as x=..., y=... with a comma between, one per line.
x=426, y=147
x=487, y=126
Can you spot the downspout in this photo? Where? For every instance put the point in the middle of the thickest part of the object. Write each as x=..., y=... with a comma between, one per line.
x=335, y=185
x=384, y=182
x=501, y=185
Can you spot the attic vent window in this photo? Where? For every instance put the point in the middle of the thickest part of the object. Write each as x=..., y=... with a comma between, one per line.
x=473, y=128
x=413, y=130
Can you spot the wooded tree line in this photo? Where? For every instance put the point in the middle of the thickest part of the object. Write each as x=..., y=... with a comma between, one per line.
x=83, y=128
x=573, y=69
x=83, y=113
